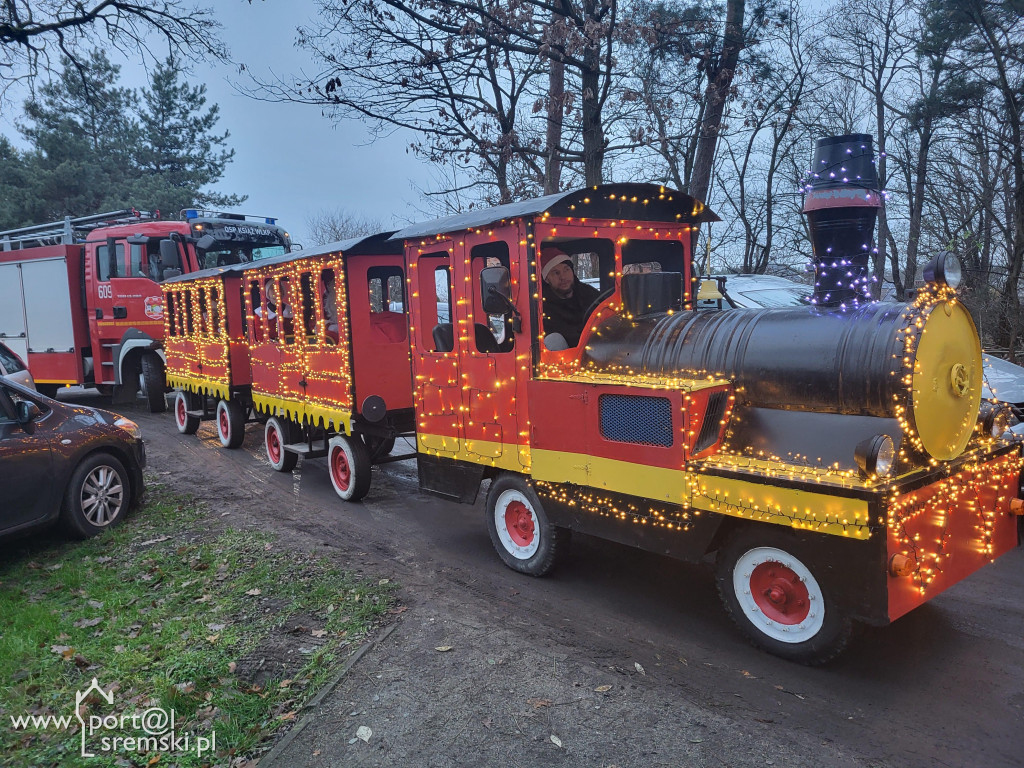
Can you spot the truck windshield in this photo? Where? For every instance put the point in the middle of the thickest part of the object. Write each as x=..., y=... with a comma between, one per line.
x=222, y=254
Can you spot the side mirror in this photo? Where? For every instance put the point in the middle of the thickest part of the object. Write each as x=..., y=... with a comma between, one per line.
x=170, y=256
x=206, y=242
x=27, y=413
x=495, y=291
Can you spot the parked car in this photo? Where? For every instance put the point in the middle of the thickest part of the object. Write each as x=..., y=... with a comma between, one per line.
x=1004, y=381
x=79, y=466
x=13, y=367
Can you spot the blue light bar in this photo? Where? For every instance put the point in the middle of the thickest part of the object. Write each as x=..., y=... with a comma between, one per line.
x=191, y=213
x=271, y=222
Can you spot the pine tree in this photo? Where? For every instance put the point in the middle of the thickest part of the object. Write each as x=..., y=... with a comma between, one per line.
x=181, y=154
x=84, y=139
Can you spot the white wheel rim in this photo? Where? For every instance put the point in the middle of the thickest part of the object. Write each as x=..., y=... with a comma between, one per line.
x=180, y=408
x=275, y=444
x=223, y=422
x=749, y=587
x=514, y=504
x=341, y=468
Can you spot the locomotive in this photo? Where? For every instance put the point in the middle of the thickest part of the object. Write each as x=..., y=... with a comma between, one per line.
x=837, y=458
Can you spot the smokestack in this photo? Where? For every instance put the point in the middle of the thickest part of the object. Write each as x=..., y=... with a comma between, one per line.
x=841, y=202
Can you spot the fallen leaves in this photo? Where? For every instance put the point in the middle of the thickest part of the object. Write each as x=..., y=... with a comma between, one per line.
x=444, y=648
x=82, y=623
x=603, y=688
x=254, y=591
x=556, y=741
x=364, y=733
x=538, y=703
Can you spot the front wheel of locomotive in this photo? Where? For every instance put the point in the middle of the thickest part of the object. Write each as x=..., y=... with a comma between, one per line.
x=524, y=538
x=349, y=464
x=768, y=586
x=277, y=434
x=183, y=403
x=230, y=423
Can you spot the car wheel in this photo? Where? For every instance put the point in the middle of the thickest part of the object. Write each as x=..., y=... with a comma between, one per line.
x=520, y=530
x=349, y=462
x=186, y=423
x=154, y=386
x=97, y=496
x=277, y=434
x=768, y=585
x=230, y=423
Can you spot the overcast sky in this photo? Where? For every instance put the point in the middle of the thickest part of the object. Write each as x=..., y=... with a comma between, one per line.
x=289, y=159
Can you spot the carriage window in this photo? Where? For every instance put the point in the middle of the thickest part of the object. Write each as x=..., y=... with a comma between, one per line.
x=188, y=313
x=215, y=311
x=308, y=307
x=432, y=289
x=172, y=314
x=204, y=313
x=652, y=256
x=285, y=312
x=387, y=304
x=491, y=333
x=136, y=268
x=329, y=301
x=256, y=308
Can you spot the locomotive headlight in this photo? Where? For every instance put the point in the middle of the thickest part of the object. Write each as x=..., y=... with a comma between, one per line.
x=995, y=419
x=943, y=268
x=875, y=456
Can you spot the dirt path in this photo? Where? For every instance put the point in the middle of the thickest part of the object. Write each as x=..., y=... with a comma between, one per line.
x=624, y=658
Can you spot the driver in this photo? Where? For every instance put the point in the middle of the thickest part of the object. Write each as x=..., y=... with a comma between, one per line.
x=566, y=298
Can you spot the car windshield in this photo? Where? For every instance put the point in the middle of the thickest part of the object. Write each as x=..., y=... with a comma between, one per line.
x=222, y=255
x=772, y=297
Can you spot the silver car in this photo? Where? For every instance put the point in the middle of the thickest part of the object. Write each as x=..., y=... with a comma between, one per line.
x=12, y=367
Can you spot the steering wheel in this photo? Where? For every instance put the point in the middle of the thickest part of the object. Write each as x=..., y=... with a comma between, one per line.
x=597, y=301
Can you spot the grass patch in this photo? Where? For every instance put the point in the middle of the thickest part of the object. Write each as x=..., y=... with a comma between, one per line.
x=224, y=628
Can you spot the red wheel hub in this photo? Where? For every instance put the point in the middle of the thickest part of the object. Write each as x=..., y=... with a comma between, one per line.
x=225, y=426
x=340, y=469
x=274, y=446
x=519, y=523
x=182, y=415
x=780, y=593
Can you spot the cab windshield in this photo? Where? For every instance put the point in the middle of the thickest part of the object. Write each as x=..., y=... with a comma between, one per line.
x=223, y=255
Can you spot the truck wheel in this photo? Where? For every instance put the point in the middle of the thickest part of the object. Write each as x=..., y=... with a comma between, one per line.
x=50, y=390
x=349, y=462
x=767, y=582
x=153, y=385
x=183, y=403
x=277, y=434
x=230, y=423
x=520, y=530
x=97, y=496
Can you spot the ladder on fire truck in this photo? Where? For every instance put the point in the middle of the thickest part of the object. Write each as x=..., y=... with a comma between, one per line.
x=69, y=230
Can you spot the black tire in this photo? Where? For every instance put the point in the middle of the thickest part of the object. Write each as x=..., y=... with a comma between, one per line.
x=230, y=423
x=153, y=383
x=97, y=497
x=379, y=446
x=50, y=390
x=349, y=464
x=183, y=403
x=771, y=587
x=521, y=533
x=278, y=433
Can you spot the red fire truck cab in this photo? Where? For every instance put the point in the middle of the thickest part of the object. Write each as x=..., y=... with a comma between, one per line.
x=80, y=300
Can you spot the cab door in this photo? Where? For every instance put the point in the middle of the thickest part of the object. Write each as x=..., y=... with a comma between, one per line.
x=489, y=355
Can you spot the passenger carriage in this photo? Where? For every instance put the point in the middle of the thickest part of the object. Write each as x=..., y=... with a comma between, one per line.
x=838, y=459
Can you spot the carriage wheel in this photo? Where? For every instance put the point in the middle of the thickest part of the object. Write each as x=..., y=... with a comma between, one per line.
x=349, y=463
x=276, y=435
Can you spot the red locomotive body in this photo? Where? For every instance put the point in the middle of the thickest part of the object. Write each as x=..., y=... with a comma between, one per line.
x=836, y=458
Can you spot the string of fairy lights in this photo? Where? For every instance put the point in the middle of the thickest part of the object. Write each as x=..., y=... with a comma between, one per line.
x=478, y=413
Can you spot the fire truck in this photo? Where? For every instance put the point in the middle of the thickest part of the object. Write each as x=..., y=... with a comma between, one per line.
x=837, y=460
x=80, y=300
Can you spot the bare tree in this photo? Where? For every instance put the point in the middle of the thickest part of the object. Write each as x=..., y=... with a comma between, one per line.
x=36, y=34
x=331, y=225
